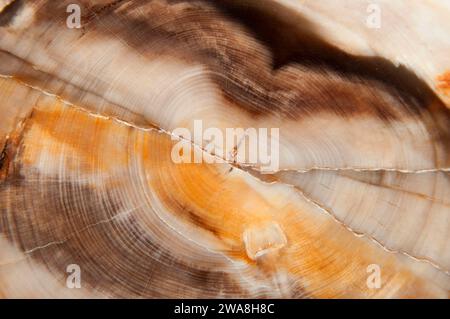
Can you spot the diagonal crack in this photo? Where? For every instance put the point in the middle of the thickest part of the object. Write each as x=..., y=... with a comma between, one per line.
x=248, y=169
x=330, y=213
x=365, y=169
x=75, y=233
x=232, y=161
x=69, y=237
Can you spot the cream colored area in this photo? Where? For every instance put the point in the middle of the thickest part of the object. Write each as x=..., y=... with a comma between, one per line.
x=318, y=255
x=414, y=33
x=21, y=277
x=404, y=212
x=96, y=180
x=4, y=4
x=115, y=71
x=157, y=88
x=262, y=239
x=323, y=141
x=16, y=104
x=360, y=142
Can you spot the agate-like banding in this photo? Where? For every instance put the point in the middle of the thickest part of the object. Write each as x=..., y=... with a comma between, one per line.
x=87, y=126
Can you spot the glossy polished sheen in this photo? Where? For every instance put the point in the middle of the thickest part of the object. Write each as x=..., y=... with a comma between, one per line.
x=87, y=117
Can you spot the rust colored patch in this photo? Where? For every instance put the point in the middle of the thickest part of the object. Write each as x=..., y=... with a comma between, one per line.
x=444, y=83
x=60, y=130
x=9, y=151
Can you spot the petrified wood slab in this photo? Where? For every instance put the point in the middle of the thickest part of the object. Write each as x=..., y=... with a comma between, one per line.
x=88, y=122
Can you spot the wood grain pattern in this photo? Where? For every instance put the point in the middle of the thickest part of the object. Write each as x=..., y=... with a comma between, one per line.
x=87, y=178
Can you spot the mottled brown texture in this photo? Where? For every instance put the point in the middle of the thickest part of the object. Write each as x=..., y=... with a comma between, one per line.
x=77, y=224
x=60, y=222
x=266, y=59
x=10, y=11
x=85, y=189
